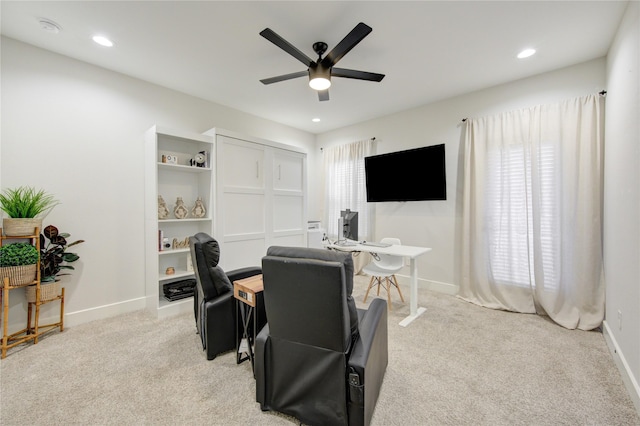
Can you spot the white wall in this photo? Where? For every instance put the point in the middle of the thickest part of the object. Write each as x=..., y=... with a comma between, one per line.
x=435, y=223
x=622, y=200
x=76, y=130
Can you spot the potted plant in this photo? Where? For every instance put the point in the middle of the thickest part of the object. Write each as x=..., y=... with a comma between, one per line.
x=25, y=206
x=54, y=258
x=18, y=263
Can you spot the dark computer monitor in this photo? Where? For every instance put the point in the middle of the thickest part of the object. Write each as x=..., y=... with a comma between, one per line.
x=349, y=221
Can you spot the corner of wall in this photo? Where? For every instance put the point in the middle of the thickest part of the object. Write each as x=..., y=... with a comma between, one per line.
x=621, y=363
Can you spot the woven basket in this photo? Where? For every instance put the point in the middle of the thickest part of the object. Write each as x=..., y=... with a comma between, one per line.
x=17, y=227
x=18, y=275
x=47, y=292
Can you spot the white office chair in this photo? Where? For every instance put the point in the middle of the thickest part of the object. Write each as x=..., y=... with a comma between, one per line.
x=383, y=269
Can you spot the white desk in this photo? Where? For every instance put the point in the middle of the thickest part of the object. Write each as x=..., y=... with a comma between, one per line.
x=397, y=250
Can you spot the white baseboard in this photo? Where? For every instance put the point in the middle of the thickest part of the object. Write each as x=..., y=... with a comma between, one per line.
x=101, y=312
x=438, y=286
x=629, y=380
x=87, y=315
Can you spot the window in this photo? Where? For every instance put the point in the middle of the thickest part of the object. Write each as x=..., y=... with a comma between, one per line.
x=345, y=186
x=509, y=219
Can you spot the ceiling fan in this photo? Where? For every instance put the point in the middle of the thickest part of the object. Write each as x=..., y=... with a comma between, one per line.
x=321, y=71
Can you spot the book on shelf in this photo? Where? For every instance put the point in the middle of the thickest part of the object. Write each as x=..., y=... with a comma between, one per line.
x=161, y=244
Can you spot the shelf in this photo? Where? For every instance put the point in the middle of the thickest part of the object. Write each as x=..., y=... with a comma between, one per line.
x=189, y=219
x=173, y=181
x=165, y=304
x=182, y=168
x=174, y=251
x=179, y=274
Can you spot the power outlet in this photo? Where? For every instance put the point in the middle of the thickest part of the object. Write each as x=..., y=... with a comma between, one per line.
x=619, y=319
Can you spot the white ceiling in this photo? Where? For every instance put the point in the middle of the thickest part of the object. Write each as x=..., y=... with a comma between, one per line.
x=429, y=50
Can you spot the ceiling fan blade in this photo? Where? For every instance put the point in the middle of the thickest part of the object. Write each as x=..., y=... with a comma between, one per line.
x=354, y=37
x=358, y=75
x=323, y=95
x=286, y=46
x=285, y=77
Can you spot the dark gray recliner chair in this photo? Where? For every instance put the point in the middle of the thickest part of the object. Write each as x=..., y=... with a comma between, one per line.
x=319, y=358
x=213, y=302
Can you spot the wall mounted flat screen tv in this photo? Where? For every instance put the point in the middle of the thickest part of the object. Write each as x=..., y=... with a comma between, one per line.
x=412, y=175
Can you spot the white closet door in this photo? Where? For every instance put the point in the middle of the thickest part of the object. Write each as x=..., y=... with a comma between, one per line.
x=241, y=222
x=288, y=198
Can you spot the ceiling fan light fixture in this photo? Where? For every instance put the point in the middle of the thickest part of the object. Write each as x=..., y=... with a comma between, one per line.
x=319, y=77
x=319, y=83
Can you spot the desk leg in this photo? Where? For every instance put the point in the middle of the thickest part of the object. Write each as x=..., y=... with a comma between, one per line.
x=413, y=296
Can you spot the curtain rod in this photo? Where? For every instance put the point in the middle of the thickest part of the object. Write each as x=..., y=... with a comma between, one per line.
x=371, y=139
x=601, y=93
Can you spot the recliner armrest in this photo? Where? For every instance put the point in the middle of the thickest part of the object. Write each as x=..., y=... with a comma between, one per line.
x=368, y=363
x=372, y=326
x=239, y=274
x=261, y=359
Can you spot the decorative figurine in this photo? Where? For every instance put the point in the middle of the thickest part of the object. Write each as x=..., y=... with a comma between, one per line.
x=180, y=244
x=180, y=211
x=199, y=209
x=163, y=211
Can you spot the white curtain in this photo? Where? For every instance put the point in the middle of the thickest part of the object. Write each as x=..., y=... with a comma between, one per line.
x=532, y=212
x=345, y=186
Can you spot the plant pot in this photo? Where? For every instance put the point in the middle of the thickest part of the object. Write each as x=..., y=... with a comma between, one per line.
x=18, y=275
x=48, y=291
x=18, y=227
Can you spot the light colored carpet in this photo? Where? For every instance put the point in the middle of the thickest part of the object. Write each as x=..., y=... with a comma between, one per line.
x=457, y=364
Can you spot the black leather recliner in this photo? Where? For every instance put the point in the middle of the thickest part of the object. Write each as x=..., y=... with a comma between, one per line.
x=213, y=301
x=319, y=358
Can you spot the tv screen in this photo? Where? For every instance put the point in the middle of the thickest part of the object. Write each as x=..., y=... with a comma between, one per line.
x=411, y=175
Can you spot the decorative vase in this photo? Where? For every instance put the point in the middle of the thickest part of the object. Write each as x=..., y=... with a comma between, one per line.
x=18, y=227
x=18, y=275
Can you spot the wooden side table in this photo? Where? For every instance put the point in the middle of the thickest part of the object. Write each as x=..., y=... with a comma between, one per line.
x=251, y=314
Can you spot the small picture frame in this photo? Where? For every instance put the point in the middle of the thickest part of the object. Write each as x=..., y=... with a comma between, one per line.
x=171, y=159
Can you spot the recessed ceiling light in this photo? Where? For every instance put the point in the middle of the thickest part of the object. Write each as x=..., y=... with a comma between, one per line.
x=49, y=25
x=103, y=41
x=315, y=120
x=526, y=53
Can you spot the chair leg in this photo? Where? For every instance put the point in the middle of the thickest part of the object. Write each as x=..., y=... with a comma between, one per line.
x=379, y=280
x=395, y=280
x=368, y=288
x=387, y=287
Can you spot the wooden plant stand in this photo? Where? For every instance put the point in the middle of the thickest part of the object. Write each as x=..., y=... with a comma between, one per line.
x=28, y=333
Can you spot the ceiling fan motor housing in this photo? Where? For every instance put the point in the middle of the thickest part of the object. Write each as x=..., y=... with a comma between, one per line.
x=320, y=47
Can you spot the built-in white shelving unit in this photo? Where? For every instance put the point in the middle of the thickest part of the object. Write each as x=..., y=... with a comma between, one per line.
x=170, y=181
x=254, y=192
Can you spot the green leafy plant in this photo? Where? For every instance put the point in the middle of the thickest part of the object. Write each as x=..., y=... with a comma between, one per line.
x=54, y=256
x=26, y=202
x=18, y=254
